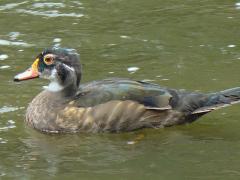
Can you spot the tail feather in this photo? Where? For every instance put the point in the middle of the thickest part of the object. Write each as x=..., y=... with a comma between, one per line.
x=219, y=100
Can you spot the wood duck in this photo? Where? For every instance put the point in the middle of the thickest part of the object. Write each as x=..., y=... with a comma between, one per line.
x=109, y=105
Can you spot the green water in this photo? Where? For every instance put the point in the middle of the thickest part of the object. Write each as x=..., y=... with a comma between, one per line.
x=181, y=44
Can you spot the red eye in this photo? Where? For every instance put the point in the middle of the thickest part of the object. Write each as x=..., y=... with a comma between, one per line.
x=48, y=60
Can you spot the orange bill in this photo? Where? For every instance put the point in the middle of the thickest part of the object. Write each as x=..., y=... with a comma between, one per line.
x=30, y=73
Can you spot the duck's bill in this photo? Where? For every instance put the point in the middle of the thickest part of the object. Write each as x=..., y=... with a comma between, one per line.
x=30, y=73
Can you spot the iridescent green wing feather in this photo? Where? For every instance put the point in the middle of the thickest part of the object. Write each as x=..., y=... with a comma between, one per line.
x=98, y=92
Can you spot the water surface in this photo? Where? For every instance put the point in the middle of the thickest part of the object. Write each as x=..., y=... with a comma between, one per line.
x=181, y=44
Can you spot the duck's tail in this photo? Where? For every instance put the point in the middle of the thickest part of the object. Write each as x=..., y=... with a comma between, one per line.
x=219, y=100
x=196, y=105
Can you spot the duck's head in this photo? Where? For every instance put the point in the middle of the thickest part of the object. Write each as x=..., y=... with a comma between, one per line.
x=59, y=65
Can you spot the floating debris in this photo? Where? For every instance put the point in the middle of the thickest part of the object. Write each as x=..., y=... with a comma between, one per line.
x=124, y=37
x=231, y=46
x=111, y=72
x=3, y=56
x=132, y=69
x=131, y=142
x=57, y=40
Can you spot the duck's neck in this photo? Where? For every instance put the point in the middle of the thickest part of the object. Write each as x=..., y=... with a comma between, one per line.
x=66, y=88
x=69, y=91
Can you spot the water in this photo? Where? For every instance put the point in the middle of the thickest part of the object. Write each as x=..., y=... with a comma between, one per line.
x=186, y=45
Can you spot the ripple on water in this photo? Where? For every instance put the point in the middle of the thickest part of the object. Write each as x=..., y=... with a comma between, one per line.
x=11, y=5
x=52, y=13
x=47, y=9
x=9, y=125
x=6, y=109
x=14, y=43
x=13, y=35
x=2, y=141
x=48, y=4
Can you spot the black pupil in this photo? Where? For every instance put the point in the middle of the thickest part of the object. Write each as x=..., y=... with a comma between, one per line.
x=48, y=59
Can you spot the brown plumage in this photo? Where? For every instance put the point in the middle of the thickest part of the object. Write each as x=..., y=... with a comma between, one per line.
x=110, y=105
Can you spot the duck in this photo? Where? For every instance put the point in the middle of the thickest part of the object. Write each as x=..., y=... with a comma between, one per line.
x=110, y=105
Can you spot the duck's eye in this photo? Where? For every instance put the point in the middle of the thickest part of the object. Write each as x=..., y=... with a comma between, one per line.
x=48, y=60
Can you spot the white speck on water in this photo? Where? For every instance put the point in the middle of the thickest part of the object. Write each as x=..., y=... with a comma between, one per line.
x=159, y=76
x=132, y=69
x=231, y=46
x=4, y=67
x=20, y=50
x=165, y=79
x=74, y=23
x=237, y=5
x=238, y=58
x=202, y=45
x=3, y=57
x=57, y=40
x=111, y=72
x=230, y=17
x=2, y=174
x=214, y=79
x=131, y=142
x=11, y=122
x=124, y=37
x=148, y=80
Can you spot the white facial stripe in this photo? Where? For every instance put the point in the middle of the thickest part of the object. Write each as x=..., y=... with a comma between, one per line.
x=54, y=86
x=68, y=67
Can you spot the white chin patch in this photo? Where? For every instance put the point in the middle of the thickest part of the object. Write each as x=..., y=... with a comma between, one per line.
x=54, y=85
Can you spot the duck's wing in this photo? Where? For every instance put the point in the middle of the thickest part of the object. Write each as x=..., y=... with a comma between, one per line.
x=152, y=96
